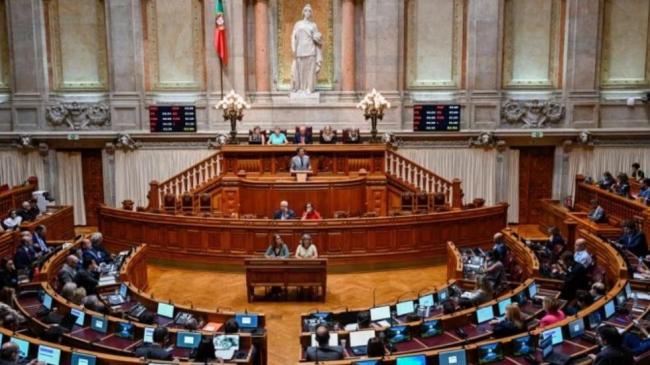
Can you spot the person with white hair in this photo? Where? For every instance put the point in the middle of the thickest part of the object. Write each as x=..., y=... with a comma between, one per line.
x=306, y=249
x=96, y=240
x=284, y=212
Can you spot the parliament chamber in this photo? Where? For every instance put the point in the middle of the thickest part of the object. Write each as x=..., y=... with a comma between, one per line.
x=345, y=182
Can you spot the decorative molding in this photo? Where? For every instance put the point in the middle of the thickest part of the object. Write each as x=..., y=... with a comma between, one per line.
x=78, y=116
x=533, y=114
x=488, y=140
x=220, y=140
x=124, y=142
x=25, y=143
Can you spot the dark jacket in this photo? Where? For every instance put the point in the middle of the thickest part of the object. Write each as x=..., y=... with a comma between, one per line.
x=324, y=353
x=24, y=257
x=505, y=328
x=153, y=351
x=308, y=138
x=66, y=274
x=87, y=280
x=635, y=243
x=614, y=356
x=576, y=278
x=278, y=214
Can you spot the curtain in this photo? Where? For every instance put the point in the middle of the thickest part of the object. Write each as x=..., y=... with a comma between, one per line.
x=593, y=162
x=475, y=167
x=70, y=184
x=17, y=166
x=135, y=169
x=512, y=158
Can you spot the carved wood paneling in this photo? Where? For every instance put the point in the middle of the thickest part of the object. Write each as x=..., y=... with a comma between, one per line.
x=535, y=181
x=77, y=44
x=93, y=183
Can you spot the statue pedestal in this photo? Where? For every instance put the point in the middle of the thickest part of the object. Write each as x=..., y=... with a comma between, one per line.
x=304, y=98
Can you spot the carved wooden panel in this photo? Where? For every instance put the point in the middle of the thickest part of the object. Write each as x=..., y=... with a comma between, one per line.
x=335, y=243
x=93, y=183
x=5, y=67
x=535, y=181
x=77, y=44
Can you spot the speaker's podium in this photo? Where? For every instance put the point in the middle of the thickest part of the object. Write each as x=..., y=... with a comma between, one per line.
x=301, y=175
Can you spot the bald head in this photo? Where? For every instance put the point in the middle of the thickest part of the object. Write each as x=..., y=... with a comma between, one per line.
x=9, y=351
x=580, y=244
x=498, y=237
x=72, y=260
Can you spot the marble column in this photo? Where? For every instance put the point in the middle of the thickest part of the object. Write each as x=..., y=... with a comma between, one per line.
x=347, y=46
x=262, y=79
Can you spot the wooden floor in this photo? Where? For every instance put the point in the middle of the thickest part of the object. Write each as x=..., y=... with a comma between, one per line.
x=226, y=290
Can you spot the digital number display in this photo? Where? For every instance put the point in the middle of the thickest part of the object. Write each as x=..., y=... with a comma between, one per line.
x=436, y=118
x=172, y=118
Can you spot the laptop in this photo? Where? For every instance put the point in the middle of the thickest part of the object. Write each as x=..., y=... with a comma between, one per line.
x=125, y=330
x=404, y=308
x=550, y=356
x=443, y=295
x=79, y=315
x=621, y=299
x=430, y=328
x=359, y=341
x=398, y=334
x=520, y=298
x=334, y=339
x=532, y=290
x=118, y=298
x=555, y=334
x=595, y=319
x=165, y=310
x=577, y=328
x=47, y=302
x=225, y=346
x=380, y=315
x=426, y=301
x=246, y=322
x=455, y=357
x=484, y=314
x=628, y=290
x=489, y=353
x=99, y=324
x=412, y=360
x=522, y=346
x=188, y=340
x=610, y=309
x=147, y=337
x=83, y=359
x=502, y=306
x=367, y=362
x=49, y=355
x=23, y=347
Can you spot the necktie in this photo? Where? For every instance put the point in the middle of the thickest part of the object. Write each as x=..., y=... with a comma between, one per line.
x=302, y=163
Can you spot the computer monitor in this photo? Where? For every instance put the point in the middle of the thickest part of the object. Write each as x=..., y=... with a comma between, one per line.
x=246, y=321
x=226, y=342
x=23, y=347
x=610, y=309
x=490, y=352
x=404, y=308
x=577, y=328
x=188, y=340
x=455, y=357
x=148, y=335
x=555, y=334
x=546, y=344
x=426, y=301
x=367, y=362
x=83, y=359
x=532, y=290
x=333, y=341
x=125, y=330
x=412, y=360
x=360, y=338
x=520, y=297
x=430, y=328
x=80, y=315
x=594, y=319
x=165, y=310
x=502, y=306
x=379, y=313
x=443, y=295
x=99, y=324
x=628, y=289
x=621, y=299
x=47, y=301
x=124, y=290
x=49, y=355
x=522, y=346
x=322, y=316
x=398, y=334
x=484, y=314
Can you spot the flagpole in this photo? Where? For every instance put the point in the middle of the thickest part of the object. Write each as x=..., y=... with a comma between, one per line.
x=221, y=76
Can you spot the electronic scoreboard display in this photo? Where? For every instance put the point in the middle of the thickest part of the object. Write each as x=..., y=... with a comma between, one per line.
x=172, y=118
x=436, y=118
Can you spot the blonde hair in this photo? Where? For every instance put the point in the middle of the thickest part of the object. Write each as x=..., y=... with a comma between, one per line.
x=483, y=284
x=551, y=304
x=513, y=314
x=78, y=296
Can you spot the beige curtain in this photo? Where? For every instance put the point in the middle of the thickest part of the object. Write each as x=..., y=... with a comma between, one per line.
x=512, y=189
x=593, y=162
x=475, y=167
x=17, y=166
x=70, y=184
x=135, y=169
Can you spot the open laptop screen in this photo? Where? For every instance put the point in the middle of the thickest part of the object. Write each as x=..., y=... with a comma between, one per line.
x=124, y=290
x=404, y=308
x=577, y=328
x=99, y=324
x=532, y=290
x=555, y=334
x=246, y=320
x=23, y=347
x=426, y=301
x=522, y=346
x=456, y=357
x=83, y=359
x=360, y=338
x=49, y=355
x=412, y=360
x=379, y=313
x=484, y=314
x=47, y=301
x=490, y=353
x=148, y=335
x=430, y=328
x=188, y=340
x=610, y=309
x=502, y=306
x=80, y=315
x=165, y=310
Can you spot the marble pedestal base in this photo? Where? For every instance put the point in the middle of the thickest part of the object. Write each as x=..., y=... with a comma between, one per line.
x=304, y=98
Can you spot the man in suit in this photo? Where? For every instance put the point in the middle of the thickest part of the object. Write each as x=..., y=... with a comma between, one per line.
x=88, y=277
x=24, y=256
x=612, y=351
x=68, y=271
x=633, y=240
x=29, y=211
x=300, y=162
x=155, y=350
x=40, y=243
x=324, y=352
x=284, y=212
x=499, y=246
x=597, y=213
x=575, y=278
x=303, y=136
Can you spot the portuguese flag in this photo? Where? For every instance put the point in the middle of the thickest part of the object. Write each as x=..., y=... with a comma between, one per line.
x=220, y=45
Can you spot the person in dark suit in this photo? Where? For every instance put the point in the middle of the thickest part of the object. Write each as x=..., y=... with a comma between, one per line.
x=284, y=212
x=155, y=350
x=24, y=256
x=607, y=181
x=324, y=352
x=68, y=271
x=88, y=253
x=633, y=240
x=556, y=243
x=88, y=277
x=597, y=213
x=622, y=186
x=39, y=240
x=303, y=136
x=300, y=162
x=612, y=351
x=500, y=246
x=575, y=278
x=29, y=211
x=97, y=240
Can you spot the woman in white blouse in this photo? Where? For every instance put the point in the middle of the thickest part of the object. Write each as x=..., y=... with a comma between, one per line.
x=12, y=222
x=306, y=249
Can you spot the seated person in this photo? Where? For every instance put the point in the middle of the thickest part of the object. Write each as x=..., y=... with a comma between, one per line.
x=88, y=277
x=24, y=256
x=633, y=240
x=306, y=249
x=494, y=269
x=376, y=347
x=97, y=240
x=448, y=307
x=512, y=323
x=277, y=137
x=284, y=212
x=13, y=220
x=556, y=243
x=581, y=255
x=612, y=350
x=597, y=290
x=300, y=162
x=9, y=353
x=351, y=135
x=231, y=326
x=644, y=191
x=622, y=186
x=68, y=271
x=328, y=135
x=205, y=352
x=88, y=253
x=482, y=293
x=29, y=211
x=583, y=300
x=8, y=273
x=323, y=352
x=637, y=173
x=575, y=277
x=607, y=181
x=310, y=213
x=277, y=248
x=363, y=322
x=553, y=312
x=38, y=237
x=500, y=246
x=256, y=136
x=634, y=342
x=155, y=350
x=303, y=135
x=597, y=213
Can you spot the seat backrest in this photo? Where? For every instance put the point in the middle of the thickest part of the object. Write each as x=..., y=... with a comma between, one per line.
x=349, y=137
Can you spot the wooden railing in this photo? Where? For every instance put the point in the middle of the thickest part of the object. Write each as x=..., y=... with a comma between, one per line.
x=423, y=180
x=187, y=181
x=454, y=262
x=13, y=198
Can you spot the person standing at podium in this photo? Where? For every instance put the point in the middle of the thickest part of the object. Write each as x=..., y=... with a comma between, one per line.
x=278, y=249
x=300, y=162
x=306, y=249
x=310, y=213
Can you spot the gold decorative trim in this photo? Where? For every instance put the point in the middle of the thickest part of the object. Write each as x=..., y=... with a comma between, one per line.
x=509, y=53
x=154, y=43
x=58, y=58
x=457, y=44
x=4, y=48
x=605, y=80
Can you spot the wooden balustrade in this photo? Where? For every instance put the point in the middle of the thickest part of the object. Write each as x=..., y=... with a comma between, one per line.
x=12, y=199
x=454, y=262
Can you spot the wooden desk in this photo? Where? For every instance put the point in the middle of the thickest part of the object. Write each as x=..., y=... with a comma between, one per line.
x=59, y=221
x=12, y=199
x=286, y=273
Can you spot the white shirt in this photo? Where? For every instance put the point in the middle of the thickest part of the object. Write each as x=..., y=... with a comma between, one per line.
x=306, y=253
x=582, y=257
x=13, y=222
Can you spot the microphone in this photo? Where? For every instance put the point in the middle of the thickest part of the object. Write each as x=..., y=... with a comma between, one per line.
x=404, y=294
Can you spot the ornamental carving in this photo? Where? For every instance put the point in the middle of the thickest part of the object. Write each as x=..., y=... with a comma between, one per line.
x=487, y=140
x=126, y=143
x=533, y=114
x=25, y=143
x=78, y=116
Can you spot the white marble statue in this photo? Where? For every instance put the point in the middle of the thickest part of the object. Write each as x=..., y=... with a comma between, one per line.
x=306, y=42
